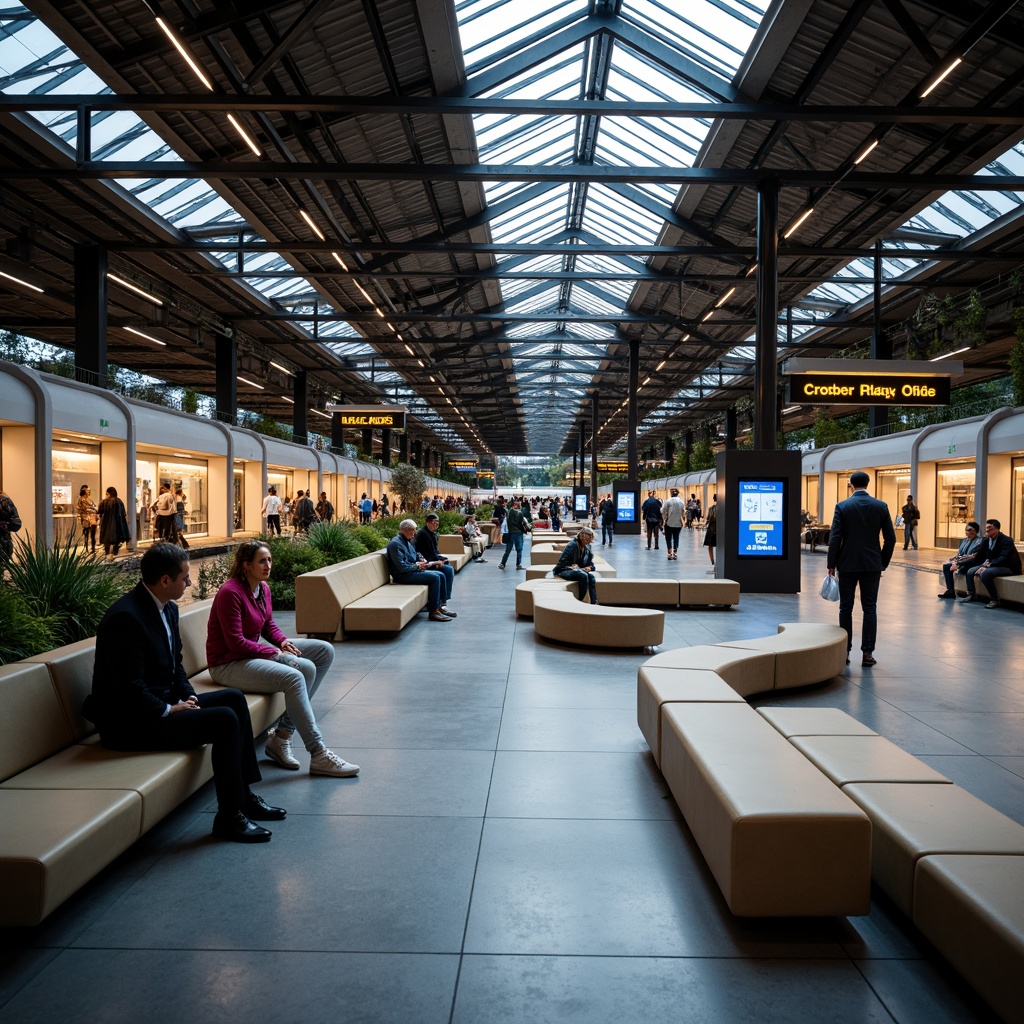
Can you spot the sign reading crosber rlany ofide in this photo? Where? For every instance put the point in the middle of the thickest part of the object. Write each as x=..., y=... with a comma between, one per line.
x=867, y=389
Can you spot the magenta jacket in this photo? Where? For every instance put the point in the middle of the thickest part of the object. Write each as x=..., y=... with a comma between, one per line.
x=237, y=621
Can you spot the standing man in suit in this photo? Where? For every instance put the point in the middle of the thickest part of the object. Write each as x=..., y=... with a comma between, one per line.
x=997, y=555
x=142, y=700
x=854, y=550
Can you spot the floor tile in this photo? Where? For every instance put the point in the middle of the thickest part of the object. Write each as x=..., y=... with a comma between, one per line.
x=526, y=728
x=104, y=986
x=531, y=784
x=612, y=990
x=343, y=884
x=354, y=725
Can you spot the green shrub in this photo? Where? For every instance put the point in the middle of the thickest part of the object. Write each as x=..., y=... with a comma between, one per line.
x=65, y=586
x=387, y=527
x=337, y=540
x=282, y=595
x=484, y=513
x=22, y=634
x=211, y=576
x=371, y=537
x=292, y=558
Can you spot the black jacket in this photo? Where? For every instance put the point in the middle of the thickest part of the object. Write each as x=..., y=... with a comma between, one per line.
x=136, y=673
x=1004, y=555
x=853, y=541
x=425, y=543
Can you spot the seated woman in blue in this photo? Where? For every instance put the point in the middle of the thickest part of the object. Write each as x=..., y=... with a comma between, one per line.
x=577, y=564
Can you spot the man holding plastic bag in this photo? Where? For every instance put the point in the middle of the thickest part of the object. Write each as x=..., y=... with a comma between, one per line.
x=854, y=549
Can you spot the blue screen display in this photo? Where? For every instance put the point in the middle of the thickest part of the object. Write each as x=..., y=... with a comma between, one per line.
x=762, y=519
x=581, y=502
x=625, y=507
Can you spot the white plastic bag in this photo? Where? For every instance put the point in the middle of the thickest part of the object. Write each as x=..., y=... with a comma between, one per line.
x=830, y=588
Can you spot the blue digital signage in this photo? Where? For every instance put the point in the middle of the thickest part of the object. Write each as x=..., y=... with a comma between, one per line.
x=762, y=518
x=625, y=506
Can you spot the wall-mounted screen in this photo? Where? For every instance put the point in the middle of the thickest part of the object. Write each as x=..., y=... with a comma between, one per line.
x=762, y=518
x=625, y=506
x=581, y=502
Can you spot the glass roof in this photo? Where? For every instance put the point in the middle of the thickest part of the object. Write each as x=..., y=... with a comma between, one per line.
x=530, y=49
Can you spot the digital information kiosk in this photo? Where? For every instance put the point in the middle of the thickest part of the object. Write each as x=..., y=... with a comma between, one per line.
x=626, y=495
x=580, y=503
x=759, y=521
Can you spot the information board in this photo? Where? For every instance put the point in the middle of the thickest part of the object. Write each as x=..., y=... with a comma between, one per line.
x=762, y=518
x=625, y=506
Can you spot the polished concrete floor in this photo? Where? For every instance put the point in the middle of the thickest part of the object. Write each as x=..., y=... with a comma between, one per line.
x=509, y=853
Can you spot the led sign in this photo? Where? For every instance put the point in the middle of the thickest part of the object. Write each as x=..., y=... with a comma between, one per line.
x=612, y=467
x=370, y=417
x=867, y=389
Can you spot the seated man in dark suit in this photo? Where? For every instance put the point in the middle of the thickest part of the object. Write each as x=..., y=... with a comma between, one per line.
x=142, y=700
x=997, y=555
x=425, y=543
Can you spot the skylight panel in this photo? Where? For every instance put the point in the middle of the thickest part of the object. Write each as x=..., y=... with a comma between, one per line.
x=488, y=29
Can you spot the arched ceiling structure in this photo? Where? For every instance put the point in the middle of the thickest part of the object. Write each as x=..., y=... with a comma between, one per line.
x=473, y=207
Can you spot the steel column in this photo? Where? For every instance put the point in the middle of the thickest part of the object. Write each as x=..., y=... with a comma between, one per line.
x=731, y=419
x=403, y=447
x=300, y=410
x=594, y=425
x=583, y=455
x=227, y=385
x=766, y=338
x=631, y=417
x=367, y=443
x=881, y=343
x=337, y=432
x=385, y=445
x=91, y=314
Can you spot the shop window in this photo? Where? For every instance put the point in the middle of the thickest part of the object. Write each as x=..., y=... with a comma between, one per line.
x=893, y=486
x=187, y=475
x=73, y=464
x=954, y=504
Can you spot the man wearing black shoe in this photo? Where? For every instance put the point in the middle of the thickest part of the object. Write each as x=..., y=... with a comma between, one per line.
x=854, y=550
x=142, y=700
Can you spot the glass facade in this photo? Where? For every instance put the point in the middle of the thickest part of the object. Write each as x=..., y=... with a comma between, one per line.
x=73, y=465
x=892, y=485
x=954, y=502
x=190, y=475
x=1016, y=529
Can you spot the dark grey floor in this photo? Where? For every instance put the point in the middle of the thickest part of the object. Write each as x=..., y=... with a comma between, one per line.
x=509, y=852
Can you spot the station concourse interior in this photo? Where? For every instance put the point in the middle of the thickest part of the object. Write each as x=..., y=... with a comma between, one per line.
x=509, y=851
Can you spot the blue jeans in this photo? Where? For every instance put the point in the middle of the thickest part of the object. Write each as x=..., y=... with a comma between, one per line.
x=296, y=678
x=909, y=534
x=434, y=582
x=672, y=537
x=515, y=540
x=987, y=576
x=585, y=581
x=868, y=582
x=449, y=578
x=607, y=532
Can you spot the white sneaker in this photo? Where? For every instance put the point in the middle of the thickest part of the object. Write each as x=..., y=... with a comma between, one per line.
x=280, y=752
x=709, y=572
x=327, y=762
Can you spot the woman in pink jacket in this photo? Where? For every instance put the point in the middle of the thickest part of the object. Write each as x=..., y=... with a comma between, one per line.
x=246, y=649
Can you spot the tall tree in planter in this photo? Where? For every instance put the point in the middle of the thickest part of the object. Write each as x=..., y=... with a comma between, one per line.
x=408, y=483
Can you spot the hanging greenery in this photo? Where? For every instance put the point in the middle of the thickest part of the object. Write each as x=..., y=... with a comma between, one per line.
x=1017, y=356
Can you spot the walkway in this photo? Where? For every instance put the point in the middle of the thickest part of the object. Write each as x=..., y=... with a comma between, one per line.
x=510, y=854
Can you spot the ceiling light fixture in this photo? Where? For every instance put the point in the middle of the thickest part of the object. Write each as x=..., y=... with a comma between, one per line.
x=251, y=383
x=803, y=216
x=725, y=298
x=246, y=137
x=312, y=224
x=948, y=354
x=340, y=261
x=148, y=337
x=317, y=412
x=942, y=74
x=135, y=288
x=283, y=369
x=18, y=280
x=188, y=58
x=865, y=152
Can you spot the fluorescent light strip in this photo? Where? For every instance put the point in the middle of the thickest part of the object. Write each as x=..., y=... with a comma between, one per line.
x=288, y=400
x=317, y=412
x=135, y=288
x=938, y=81
x=251, y=383
x=283, y=369
x=18, y=280
x=312, y=223
x=188, y=58
x=791, y=408
x=948, y=354
x=246, y=137
x=725, y=298
x=340, y=261
x=148, y=337
x=865, y=152
x=803, y=216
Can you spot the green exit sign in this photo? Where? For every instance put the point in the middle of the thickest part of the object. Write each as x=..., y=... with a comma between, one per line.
x=951, y=450
x=104, y=424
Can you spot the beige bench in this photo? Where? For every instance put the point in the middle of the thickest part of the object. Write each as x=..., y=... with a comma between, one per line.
x=558, y=615
x=540, y=572
x=948, y=860
x=761, y=816
x=1009, y=588
x=69, y=805
x=452, y=546
x=356, y=595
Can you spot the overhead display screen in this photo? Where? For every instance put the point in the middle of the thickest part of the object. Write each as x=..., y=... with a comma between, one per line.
x=762, y=518
x=625, y=507
x=867, y=389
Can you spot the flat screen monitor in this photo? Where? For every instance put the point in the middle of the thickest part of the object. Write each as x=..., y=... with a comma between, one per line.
x=762, y=518
x=625, y=506
x=581, y=503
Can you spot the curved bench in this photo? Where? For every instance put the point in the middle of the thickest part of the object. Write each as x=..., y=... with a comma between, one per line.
x=540, y=572
x=778, y=836
x=558, y=615
x=526, y=590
